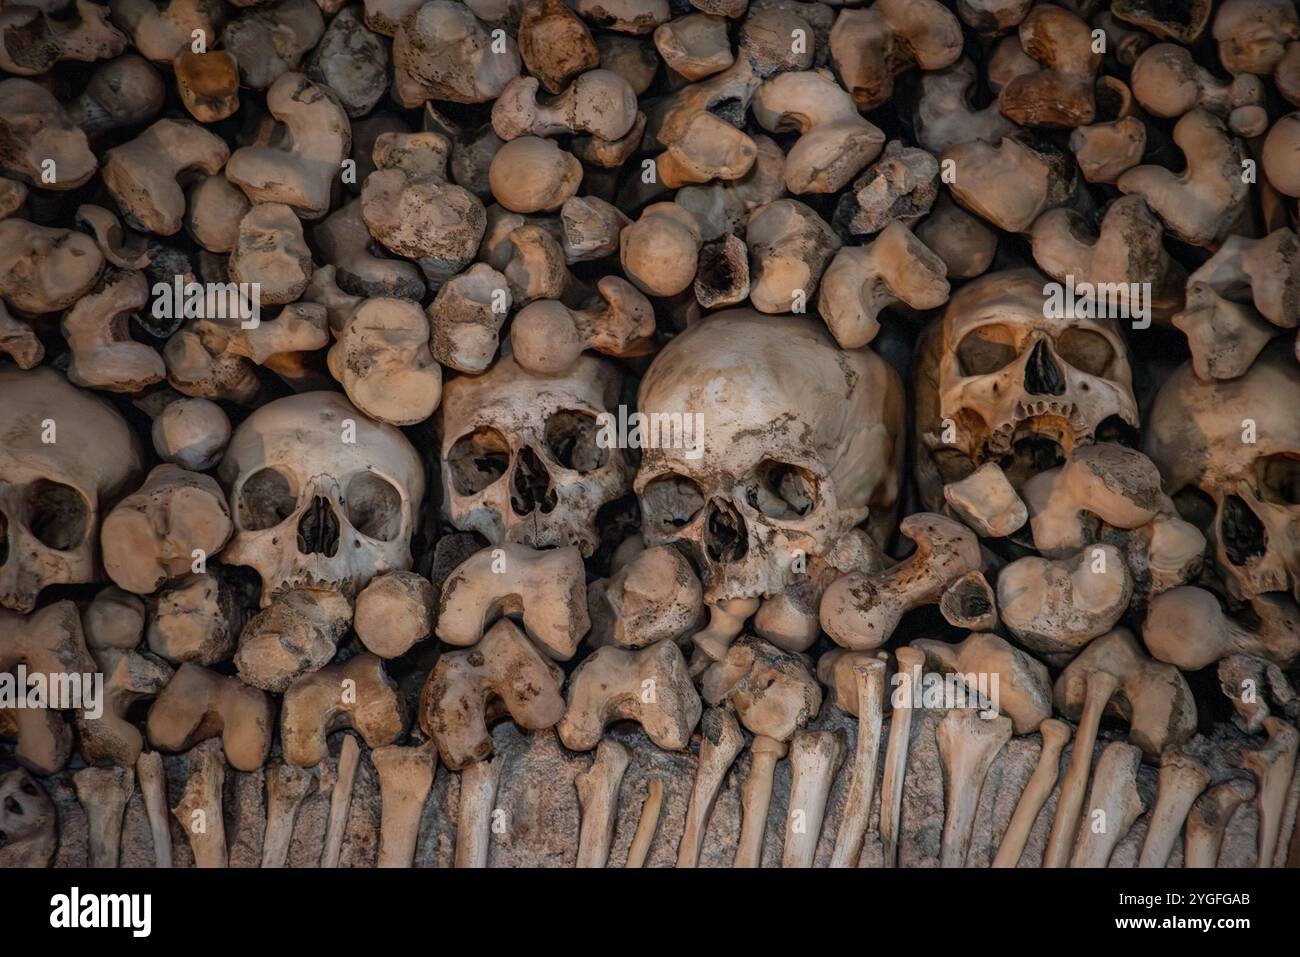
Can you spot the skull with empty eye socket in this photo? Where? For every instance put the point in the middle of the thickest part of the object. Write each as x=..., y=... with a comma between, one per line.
x=998, y=379
x=65, y=457
x=321, y=495
x=522, y=459
x=796, y=442
x=1229, y=453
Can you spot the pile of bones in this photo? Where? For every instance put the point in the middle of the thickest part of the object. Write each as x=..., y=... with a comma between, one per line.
x=633, y=432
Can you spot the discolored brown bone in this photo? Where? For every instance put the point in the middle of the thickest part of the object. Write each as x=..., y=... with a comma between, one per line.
x=868, y=677
x=198, y=704
x=1186, y=627
x=1208, y=820
x=815, y=758
x=405, y=779
x=1113, y=805
x=357, y=694
x=103, y=793
x=286, y=786
x=200, y=812
x=720, y=743
x=598, y=793
x=1055, y=736
x=1273, y=766
x=1182, y=779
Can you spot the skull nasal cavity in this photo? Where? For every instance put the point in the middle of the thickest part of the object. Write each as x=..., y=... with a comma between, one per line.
x=1241, y=532
x=530, y=484
x=1042, y=374
x=725, y=538
x=318, y=529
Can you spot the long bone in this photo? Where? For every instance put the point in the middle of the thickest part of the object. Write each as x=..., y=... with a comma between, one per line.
x=598, y=793
x=648, y=823
x=868, y=678
x=1182, y=779
x=478, y=793
x=1273, y=766
x=1056, y=734
x=103, y=793
x=720, y=742
x=153, y=787
x=199, y=811
x=405, y=778
x=286, y=786
x=1114, y=805
x=815, y=756
x=1208, y=819
x=968, y=743
x=911, y=662
x=341, y=801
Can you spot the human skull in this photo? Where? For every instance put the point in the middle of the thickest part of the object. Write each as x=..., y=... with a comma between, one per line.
x=320, y=494
x=28, y=822
x=1000, y=380
x=521, y=461
x=53, y=492
x=1229, y=453
x=800, y=441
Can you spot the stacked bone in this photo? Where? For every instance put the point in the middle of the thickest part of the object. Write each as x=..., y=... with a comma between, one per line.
x=634, y=285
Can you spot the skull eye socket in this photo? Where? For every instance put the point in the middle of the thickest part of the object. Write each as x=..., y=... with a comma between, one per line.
x=266, y=499
x=477, y=460
x=782, y=491
x=374, y=507
x=1278, y=478
x=670, y=502
x=57, y=514
x=571, y=440
x=987, y=349
x=1087, y=351
x=1194, y=506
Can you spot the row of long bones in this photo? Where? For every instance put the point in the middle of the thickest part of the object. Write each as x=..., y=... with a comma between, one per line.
x=320, y=492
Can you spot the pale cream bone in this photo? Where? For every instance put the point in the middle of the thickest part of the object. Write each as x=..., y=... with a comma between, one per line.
x=1186, y=627
x=29, y=821
x=871, y=46
x=654, y=596
x=382, y=360
x=1056, y=606
x=1113, y=805
x=441, y=51
x=790, y=247
x=814, y=475
x=352, y=61
x=409, y=206
x=591, y=228
x=45, y=269
x=900, y=187
x=103, y=354
x=302, y=163
x=270, y=251
x=394, y=612
x=504, y=674
x=609, y=154
x=859, y=611
x=659, y=252
x=520, y=458
x=815, y=757
x=465, y=321
x=547, y=336
x=868, y=678
x=546, y=590
x=216, y=207
x=198, y=704
x=1182, y=779
x=1252, y=685
x=727, y=95
x=18, y=340
x=709, y=149
x=768, y=30
x=199, y=812
x=1205, y=202
x=103, y=793
x=52, y=495
x=694, y=46
x=298, y=632
x=357, y=694
x=385, y=16
x=142, y=175
x=1168, y=83
x=968, y=743
x=646, y=824
x=598, y=788
x=612, y=684
x=1207, y=822
x=1279, y=151
x=774, y=695
x=208, y=84
x=1113, y=674
x=1116, y=141
x=478, y=792
x=286, y=786
x=721, y=207
x=1273, y=766
x=962, y=241
x=271, y=40
x=1023, y=692
x=530, y=175
x=1055, y=736
x=554, y=44
x=152, y=777
x=191, y=433
x=970, y=603
x=1128, y=250
x=405, y=779
x=1195, y=437
x=158, y=532
x=35, y=130
x=862, y=281
x=1060, y=92
x=996, y=377
x=1010, y=184
x=727, y=619
x=531, y=256
x=944, y=117
x=195, y=618
x=31, y=41
x=722, y=273
x=340, y=801
x=835, y=142
x=720, y=743
x=120, y=246
x=986, y=502
x=599, y=103
x=161, y=32
x=314, y=510
x=1252, y=35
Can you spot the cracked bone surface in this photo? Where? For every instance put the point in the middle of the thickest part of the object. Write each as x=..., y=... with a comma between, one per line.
x=868, y=678
x=1112, y=807
x=815, y=758
x=103, y=793
x=598, y=793
x=1208, y=820
x=968, y=742
x=152, y=778
x=1273, y=766
x=720, y=742
x=1182, y=779
x=357, y=694
x=200, y=810
x=405, y=778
